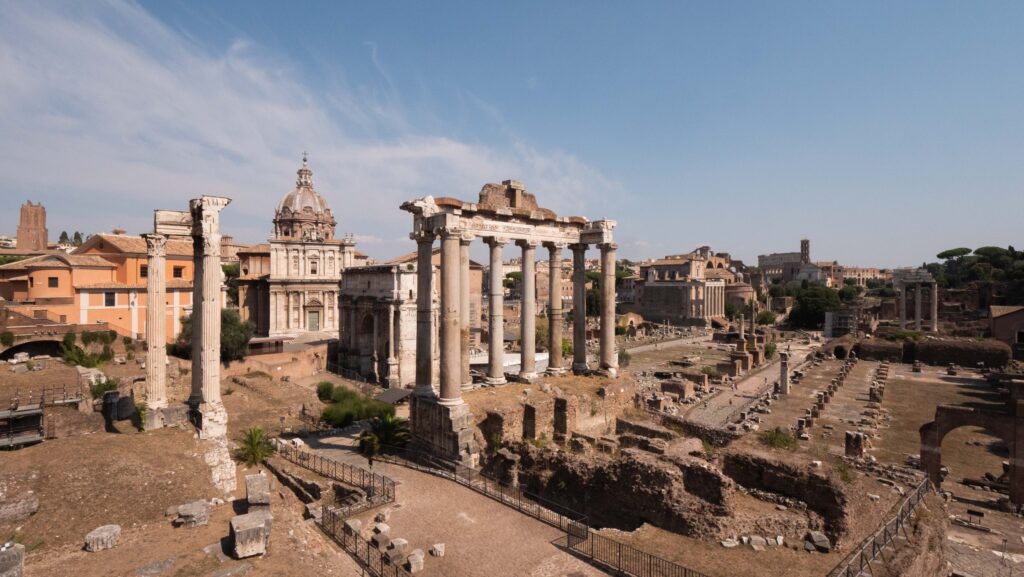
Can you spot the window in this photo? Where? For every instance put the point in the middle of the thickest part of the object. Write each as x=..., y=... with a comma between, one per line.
x=31, y=281
x=144, y=271
x=63, y=319
x=109, y=299
x=295, y=265
x=312, y=267
x=179, y=272
x=52, y=282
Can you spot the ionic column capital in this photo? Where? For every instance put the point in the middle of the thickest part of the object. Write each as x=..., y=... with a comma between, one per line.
x=527, y=243
x=156, y=244
x=493, y=241
x=579, y=247
x=422, y=237
x=449, y=232
x=608, y=246
x=555, y=247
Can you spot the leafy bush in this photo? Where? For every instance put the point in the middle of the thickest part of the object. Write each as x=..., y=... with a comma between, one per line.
x=347, y=407
x=98, y=389
x=624, y=359
x=129, y=344
x=75, y=355
x=88, y=338
x=778, y=439
x=106, y=355
x=6, y=338
x=769, y=350
x=234, y=337
x=711, y=372
x=765, y=318
x=69, y=340
x=107, y=337
x=324, y=390
x=254, y=447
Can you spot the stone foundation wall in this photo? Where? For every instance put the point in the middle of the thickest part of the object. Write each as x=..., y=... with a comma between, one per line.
x=716, y=437
x=446, y=431
x=821, y=494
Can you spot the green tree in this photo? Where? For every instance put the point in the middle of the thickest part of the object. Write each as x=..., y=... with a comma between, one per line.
x=77, y=239
x=766, y=318
x=6, y=338
x=234, y=336
x=541, y=333
x=954, y=253
x=64, y=238
x=231, y=273
x=811, y=305
x=254, y=447
x=731, y=310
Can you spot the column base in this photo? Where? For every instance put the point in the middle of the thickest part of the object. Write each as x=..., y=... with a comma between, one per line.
x=467, y=386
x=445, y=431
x=451, y=402
x=580, y=368
x=527, y=377
x=555, y=371
x=610, y=372
x=495, y=381
x=212, y=421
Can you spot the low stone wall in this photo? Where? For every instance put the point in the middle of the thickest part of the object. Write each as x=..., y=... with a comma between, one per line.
x=716, y=437
x=880, y=350
x=625, y=426
x=967, y=353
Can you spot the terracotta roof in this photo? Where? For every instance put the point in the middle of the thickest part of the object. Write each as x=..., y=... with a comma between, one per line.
x=60, y=261
x=1001, y=311
x=255, y=249
x=135, y=244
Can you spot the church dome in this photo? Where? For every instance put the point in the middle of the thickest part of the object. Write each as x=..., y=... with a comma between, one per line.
x=303, y=214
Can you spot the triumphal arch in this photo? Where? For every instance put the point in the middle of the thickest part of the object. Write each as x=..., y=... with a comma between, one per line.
x=504, y=214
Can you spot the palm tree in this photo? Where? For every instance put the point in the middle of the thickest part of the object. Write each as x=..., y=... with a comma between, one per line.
x=254, y=447
x=383, y=433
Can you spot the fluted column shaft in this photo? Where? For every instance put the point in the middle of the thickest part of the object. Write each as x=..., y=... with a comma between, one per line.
x=935, y=307
x=554, y=307
x=579, y=308
x=210, y=354
x=496, y=327
x=451, y=320
x=196, y=394
x=156, y=322
x=609, y=360
x=902, y=305
x=464, y=316
x=424, y=315
x=917, y=307
x=528, y=322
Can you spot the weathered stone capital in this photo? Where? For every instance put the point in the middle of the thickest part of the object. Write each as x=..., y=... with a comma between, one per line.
x=422, y=237
x=527, y=243
x=156, y=244
x=448, y=232
x=554, y=247
x=495, y=241
x=608, y=246
x=466, y=238
x=579, y=247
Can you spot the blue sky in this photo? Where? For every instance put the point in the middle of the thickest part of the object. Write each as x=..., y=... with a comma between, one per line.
x=884, y=132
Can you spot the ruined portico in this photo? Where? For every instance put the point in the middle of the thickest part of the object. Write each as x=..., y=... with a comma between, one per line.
x=915, y=282
x=504, y=214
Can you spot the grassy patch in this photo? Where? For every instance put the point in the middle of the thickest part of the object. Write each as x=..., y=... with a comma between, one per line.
x=257, y=375
x=845, y=474
x=778, y=439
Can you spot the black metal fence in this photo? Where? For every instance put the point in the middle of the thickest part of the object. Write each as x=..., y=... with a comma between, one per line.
x=332, y=523
x=624, y=558
x=873, y=546
x=379, y=489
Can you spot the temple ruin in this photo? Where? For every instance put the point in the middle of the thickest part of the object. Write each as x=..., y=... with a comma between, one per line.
x=441, y=421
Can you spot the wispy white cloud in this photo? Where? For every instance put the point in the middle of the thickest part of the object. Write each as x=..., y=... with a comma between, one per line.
x=106, y=113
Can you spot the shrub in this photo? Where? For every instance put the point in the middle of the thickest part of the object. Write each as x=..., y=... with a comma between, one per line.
x=254, y=447
x=69, y=340
x=324, y=390
x=234, y=337
x=778, y=439
x=711, y=372
x=624, y=359
x=347, y=407
x=98, y=389
x=769, y=350
x=844, y=472
x=106, y=355
x=7, y=338
x=88, y=338
x=129, y=344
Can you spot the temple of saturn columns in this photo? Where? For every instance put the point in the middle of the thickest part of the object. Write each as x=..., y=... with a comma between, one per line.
x=917, y=281
x=202, y=223
x=505, y=213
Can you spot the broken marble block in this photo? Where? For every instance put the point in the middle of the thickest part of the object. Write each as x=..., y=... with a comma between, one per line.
x=193, y=514
x=437, y=550
x=257, y=491
x=101, y=538
x=353, y=526
x=415, y=561
x=12, y=559
x=396, y=550
x=251, y=533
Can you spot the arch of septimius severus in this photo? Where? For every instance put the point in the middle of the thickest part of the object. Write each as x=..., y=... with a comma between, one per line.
x=504, y=214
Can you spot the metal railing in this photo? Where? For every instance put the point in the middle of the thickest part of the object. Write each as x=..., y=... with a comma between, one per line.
x=379, y=489
x=873, y=546
x=332, y=523
x=626, y=559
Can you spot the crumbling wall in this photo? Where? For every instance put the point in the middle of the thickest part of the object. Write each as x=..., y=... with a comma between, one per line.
x=880, y=350
x=821, y=494
x=924, y=555
x=502, y=425
x=714, y=436
x=964, y=352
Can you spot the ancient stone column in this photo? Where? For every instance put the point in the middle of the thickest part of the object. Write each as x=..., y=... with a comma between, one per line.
x=528, y=323
x=935, y=307
x=609, y=360
x=451, y=319
x=496, y=329
x=554, y=308
x=917, y=307
x=206, y=229
x=424, y=314
x=743, y=328
x=156, y=328
x=195, y=396
x=901, y=302
x=784, y=374
x=579, y=308
x=464, y=318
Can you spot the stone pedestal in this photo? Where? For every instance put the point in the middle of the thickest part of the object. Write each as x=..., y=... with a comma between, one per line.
x=12, y=560
x=250, y=533
x=444, y=430
x=784, y=374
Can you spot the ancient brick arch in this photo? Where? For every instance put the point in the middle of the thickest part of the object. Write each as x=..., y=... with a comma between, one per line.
x=1007, y=427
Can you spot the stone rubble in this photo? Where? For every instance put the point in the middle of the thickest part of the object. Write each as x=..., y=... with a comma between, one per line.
x=101, y=538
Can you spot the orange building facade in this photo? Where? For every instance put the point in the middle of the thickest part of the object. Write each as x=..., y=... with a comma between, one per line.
x=102, y=281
